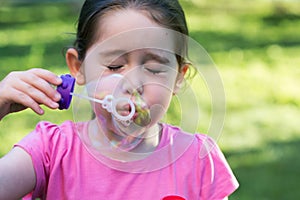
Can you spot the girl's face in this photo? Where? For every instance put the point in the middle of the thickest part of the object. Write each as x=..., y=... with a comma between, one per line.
x=133, y=57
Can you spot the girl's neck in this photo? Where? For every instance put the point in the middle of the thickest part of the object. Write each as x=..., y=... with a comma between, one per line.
x=145, y=142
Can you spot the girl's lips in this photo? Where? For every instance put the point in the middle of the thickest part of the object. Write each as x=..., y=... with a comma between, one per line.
x=124, y=112
x=141, y=116
x=123, y=109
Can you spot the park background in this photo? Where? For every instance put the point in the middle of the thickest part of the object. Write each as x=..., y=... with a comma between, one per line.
x=256, y=47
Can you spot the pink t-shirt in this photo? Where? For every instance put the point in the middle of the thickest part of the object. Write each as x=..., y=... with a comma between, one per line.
x=190, y=166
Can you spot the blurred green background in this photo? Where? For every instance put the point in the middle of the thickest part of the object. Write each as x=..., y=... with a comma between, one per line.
x=256, y=46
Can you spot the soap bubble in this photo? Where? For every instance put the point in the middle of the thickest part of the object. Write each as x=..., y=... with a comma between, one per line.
x=184, y=109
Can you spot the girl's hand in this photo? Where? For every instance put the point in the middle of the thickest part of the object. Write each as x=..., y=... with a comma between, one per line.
x=28, y=89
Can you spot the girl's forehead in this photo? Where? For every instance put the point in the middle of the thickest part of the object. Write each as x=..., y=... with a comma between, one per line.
x=129, y=27
x=121, y=20
x=145, y=41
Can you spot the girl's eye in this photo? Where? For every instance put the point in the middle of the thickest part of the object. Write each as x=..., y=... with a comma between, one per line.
x=153, y=71
x=114, y=68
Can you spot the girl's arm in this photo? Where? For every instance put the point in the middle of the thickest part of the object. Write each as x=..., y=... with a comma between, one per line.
x=18, y=91
x=17, y=176
x=28, y=89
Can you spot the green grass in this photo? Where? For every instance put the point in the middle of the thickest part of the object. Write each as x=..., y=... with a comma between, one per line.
x=256, y=47
x=36, y=39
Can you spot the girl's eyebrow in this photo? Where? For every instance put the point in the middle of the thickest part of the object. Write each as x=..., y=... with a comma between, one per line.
x=149, y=55
x=113, y=53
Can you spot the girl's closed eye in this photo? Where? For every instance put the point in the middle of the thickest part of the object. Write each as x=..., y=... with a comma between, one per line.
x=155, y=69
x=115, y=68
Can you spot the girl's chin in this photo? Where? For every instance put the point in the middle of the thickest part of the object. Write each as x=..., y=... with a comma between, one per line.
x=109, y=124
x=125, y=130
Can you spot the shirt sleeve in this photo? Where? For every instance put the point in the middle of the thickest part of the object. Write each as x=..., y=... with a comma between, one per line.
x=218, y=180
x=40, y=144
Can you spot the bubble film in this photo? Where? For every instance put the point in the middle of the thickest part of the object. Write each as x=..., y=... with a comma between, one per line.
x=196, y=104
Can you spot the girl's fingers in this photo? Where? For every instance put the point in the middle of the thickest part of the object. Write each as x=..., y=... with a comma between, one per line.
x=38, y=95
x=35, y=82
x=22, y=99
x=47, y=76
x=19, y=90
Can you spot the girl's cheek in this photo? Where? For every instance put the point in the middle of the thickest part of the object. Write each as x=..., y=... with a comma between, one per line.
x=100, y=89
x=101, y=94
x=158, y=103
x=107, y=85
x=100, y=112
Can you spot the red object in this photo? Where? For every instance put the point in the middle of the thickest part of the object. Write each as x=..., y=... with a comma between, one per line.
x=173, y=197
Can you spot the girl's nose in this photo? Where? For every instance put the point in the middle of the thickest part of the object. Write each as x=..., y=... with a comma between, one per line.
x=133, y=82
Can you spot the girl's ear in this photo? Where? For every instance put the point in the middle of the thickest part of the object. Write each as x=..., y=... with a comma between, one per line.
x=74, y=65
x=180, y=78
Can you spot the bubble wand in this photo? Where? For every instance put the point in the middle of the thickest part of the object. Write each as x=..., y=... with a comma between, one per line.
x=109, y=102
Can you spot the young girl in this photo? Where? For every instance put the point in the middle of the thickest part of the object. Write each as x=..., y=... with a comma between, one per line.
x=130, y=54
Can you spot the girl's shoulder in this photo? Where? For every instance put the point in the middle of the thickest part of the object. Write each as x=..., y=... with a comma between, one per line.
x=52, y=127
x=47, y=134
x=66, y=128
x=199, y=143
x=198, y=138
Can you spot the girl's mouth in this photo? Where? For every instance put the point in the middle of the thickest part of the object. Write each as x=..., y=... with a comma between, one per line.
x=124, y=110
x=141, y=116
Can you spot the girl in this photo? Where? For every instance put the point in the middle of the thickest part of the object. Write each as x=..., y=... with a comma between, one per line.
x=129, y=52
